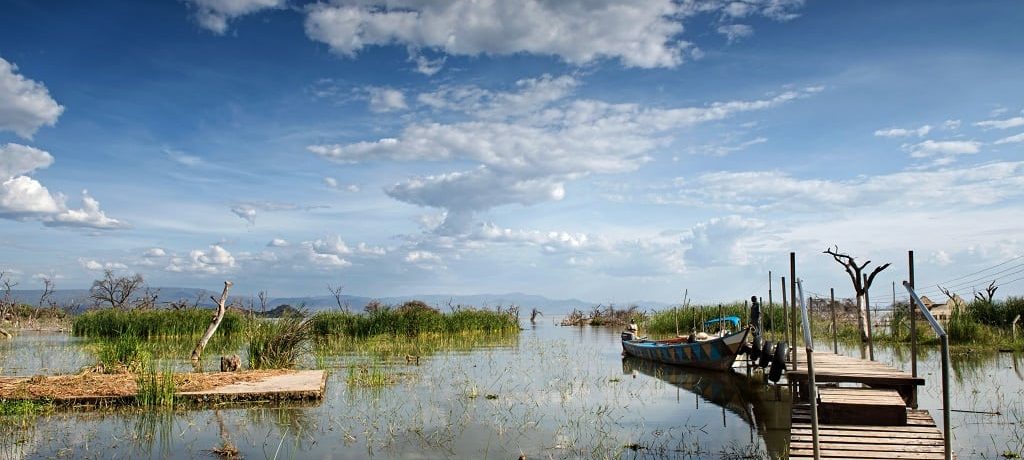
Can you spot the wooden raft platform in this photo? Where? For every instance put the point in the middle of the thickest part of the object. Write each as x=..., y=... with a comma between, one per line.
x=830, y=367
x=919, y=439
x=211, y=387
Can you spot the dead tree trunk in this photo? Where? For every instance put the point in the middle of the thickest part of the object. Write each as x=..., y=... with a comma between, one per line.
x=861, y=284
x=197, y=353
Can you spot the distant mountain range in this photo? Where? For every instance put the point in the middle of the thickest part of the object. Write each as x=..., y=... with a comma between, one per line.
x=80, y=298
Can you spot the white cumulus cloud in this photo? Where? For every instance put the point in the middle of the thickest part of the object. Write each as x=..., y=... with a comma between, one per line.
x=215, y=14
x=17, y=160
x=90, y=216
x=383, y=100
x=720, y=241
x=1001, y=124
x=25, y=105
x=904, y=132
x=213, y=260
x=930, y=148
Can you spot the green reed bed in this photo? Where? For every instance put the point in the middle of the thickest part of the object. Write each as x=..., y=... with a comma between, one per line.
x=109, y=323
x=411, y=321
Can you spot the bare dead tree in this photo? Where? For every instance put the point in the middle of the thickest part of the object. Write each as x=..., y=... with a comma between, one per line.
x=336, y=292
x=212, y=328
x=989, y=295
x=262, y=295
x=48, y=288
x=534, y=314
x=114, y=290
x=7, y=303
x=861, y=284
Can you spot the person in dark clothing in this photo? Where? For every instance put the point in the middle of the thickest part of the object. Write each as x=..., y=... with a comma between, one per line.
x=755, y=315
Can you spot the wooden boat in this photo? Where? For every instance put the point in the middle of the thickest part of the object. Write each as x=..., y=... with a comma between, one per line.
x=716, y=352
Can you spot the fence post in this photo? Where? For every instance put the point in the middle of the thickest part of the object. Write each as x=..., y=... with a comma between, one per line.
x=913, y=325
x=871, y=333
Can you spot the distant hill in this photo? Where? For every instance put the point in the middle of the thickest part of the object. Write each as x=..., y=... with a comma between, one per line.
x=79, y=299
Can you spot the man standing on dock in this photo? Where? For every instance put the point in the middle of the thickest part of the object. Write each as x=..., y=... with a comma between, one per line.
x=755, y=315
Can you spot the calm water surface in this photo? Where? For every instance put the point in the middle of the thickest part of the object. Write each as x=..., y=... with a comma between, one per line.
x=551, y=392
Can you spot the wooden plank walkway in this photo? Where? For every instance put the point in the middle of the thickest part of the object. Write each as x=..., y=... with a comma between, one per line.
x=919, y=439
x=848, y=435
x=830, y=367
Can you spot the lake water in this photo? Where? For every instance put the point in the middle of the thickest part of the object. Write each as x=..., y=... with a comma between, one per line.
x=551, y=392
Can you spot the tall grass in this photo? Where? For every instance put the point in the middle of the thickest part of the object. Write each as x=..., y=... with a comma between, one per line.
x=124, y=353
x=155, y=386
x=111, y=323
x=692, y=318
x=410, y=321
x=278, y=343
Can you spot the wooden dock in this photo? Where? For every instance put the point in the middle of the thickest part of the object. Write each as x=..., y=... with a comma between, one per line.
x=870, y=422
x=833, y=368
x=87, y=389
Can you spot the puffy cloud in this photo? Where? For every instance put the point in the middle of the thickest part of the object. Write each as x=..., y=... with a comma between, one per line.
x=153, y=253
x=736, y=32
x=720, y=241
x=331, y=245
x=903, y=132
x=22, y=197
x=17, y=160
x=215, y=14
x=424, y=259
x=951, y=125
x=930, y=148
x=90, y=216
x=25, y=105
x=277, y=243
x=331, y=182
x=1011, y=139
x=94, y=265
x=213, y=260
x=1001, y=124
x=384, y=100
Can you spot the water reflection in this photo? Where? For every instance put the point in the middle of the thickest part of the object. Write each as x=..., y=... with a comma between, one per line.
x=762, y=408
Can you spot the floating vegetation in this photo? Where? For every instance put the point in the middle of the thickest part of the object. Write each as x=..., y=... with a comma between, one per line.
x=147, y=324
x=413, y=319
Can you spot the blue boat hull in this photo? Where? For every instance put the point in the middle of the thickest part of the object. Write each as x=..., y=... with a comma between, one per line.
x=718, y=353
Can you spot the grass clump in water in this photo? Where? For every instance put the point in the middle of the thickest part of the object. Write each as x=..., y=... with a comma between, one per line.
x=277, y=344
x=371, y=377
x=124, y=353
x=412, y=319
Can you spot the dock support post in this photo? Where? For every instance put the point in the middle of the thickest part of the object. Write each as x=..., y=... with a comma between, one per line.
x=835, y=331
x=871, y=332
x=913, y=324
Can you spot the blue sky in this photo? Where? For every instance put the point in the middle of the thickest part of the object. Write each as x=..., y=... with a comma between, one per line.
x=604, y=150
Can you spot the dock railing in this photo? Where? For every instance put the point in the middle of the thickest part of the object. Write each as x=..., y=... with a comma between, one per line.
x=944, y=340
x=812, y=391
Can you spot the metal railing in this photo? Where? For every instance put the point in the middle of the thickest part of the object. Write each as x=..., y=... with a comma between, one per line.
x=944, y=339
x=812, y=390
